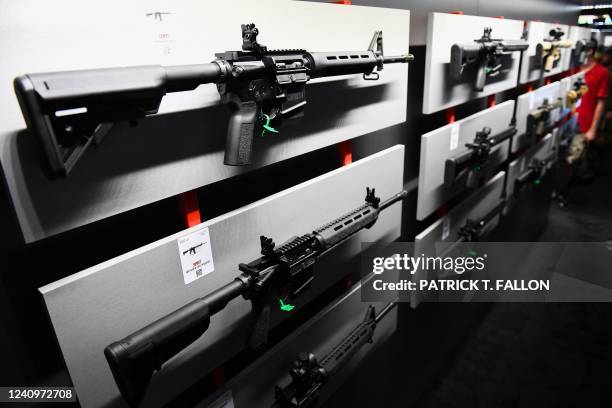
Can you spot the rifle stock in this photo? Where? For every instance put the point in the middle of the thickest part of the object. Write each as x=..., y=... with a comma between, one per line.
x=134, y=359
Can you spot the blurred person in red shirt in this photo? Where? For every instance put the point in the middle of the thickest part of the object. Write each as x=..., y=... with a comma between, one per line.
x=592, y=104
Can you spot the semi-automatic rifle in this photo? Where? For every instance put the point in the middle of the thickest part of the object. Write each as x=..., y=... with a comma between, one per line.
x=279, y=275
x=309, y=375
x=475, y=158
x=70, y=110
x=538, y=120
x=473, y=230
x=580, y=52
x=487, y=53
x=534, y=173
x=549, y=50
x=573, y=95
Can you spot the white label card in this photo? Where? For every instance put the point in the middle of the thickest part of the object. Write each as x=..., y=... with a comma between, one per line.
x=195, y=251
x=454, y=139
x=531, y=100
x=445, y=228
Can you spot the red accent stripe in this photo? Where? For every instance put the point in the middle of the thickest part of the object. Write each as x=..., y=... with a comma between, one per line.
x=459, y=13
x=345, y=149
x=348, y=281
x=440, y=212
x=190, y=208
x=450, y=115
x=491, y=101
x=218, y=377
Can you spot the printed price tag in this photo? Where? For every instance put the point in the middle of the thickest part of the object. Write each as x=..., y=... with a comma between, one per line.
x=454, y=139
x=161, y=24
x=226, y=400
x=195, y=252
x=445, y=228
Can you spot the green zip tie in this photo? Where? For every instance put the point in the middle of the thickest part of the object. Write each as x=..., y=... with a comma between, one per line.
x=266, y=126
x=285, y=307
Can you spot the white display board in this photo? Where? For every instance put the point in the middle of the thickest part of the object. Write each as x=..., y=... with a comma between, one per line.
x=444, y=30
x=448, y=141
x=530, y=101
x=445, y=229
x=531, y=69
x=182, y=148
x=100, y=305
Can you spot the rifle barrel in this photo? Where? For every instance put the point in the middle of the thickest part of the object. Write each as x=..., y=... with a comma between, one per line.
x=390, y=201
x=381, y=315
x=398, y=59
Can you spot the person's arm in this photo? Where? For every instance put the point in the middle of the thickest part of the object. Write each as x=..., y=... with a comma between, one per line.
x=599, y=109
x=602, y=95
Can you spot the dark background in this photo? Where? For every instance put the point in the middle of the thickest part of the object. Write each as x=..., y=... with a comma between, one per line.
x=29, y=354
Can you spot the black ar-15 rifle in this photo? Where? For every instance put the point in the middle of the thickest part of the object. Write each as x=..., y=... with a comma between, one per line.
x=580, y=51
x=472, y=230
x=281, y=273
x=70, y=110
x=473, y=159
x=487, y=53
x=309, y=374
x=537, y=120
x=534, y=173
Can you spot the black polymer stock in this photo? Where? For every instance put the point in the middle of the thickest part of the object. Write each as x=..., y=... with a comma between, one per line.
x=534, y=173
x=537, y=120
x=486, y=52
x=309, y=375
x=70, y=110
x=475, y=158
x=282, y=272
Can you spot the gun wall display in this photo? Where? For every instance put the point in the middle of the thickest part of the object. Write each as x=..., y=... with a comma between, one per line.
x=190, y=192
x=110, y=82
